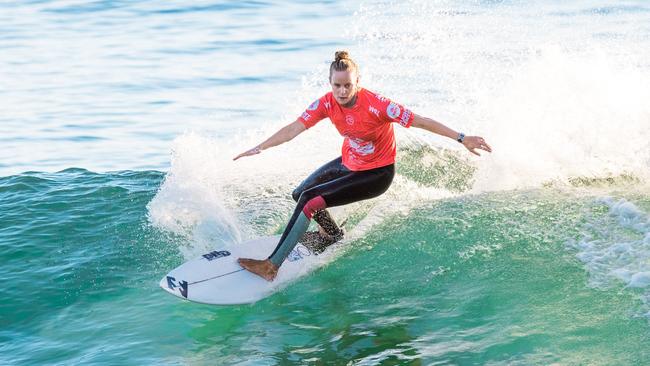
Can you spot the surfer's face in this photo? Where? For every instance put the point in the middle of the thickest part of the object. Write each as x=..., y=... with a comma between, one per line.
x=344, y=86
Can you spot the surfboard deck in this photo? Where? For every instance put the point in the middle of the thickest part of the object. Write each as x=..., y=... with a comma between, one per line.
x=216, y=278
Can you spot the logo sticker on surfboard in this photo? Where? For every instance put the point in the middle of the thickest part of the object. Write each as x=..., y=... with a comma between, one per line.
x=173, y=284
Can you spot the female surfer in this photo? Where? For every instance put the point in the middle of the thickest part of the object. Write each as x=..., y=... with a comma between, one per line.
x=365, y=168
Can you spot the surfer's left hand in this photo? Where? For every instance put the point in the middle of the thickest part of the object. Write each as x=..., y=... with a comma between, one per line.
x=472, y=143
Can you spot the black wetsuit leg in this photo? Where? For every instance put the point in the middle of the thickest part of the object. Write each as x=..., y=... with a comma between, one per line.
x=330, y=171
x=354, y=186
x=342, y=188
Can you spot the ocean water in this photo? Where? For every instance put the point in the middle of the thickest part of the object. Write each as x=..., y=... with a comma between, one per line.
x=119, y=121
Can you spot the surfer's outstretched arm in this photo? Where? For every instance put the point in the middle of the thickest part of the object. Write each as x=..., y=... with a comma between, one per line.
x=285, y=134
x=471, y=143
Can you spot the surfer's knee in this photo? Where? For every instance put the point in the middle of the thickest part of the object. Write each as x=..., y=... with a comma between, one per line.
x=296, y=194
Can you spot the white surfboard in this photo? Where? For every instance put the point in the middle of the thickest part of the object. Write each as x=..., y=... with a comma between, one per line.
x=216, y=277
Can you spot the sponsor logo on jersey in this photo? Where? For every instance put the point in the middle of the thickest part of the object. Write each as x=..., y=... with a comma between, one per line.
x=349, y=119
x=313, y=106
x=405, y=117
x=393, y=110
x=361, y=147
x=373, y=110
x=305, y=116
x=327, y=105
x=381, y=99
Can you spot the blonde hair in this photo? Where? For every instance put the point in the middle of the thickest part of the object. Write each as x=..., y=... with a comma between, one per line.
x=342, y=62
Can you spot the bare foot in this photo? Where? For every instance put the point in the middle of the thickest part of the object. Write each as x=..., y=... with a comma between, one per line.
x=263, y=268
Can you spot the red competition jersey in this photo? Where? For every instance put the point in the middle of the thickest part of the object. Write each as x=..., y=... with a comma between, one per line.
x=369, y=138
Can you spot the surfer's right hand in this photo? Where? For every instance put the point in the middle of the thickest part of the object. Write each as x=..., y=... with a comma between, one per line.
x=254, y=151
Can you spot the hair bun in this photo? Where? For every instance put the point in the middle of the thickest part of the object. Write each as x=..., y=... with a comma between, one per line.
x=341, y=55
x=343, y=62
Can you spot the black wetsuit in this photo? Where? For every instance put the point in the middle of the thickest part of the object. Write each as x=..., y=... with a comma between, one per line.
x=331, y=185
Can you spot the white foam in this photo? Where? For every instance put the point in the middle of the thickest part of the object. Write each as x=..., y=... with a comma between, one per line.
x=615, y=248
x=568, y=114
x=569, y=101
x=189, y=203
x=640, y=279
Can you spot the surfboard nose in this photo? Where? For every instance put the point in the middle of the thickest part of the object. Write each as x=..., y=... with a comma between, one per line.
x=164, y=286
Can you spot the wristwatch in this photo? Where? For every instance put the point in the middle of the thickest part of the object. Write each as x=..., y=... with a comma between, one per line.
x=461, y=137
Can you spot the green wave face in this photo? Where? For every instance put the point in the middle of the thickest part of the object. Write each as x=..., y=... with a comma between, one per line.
x=519, y=277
